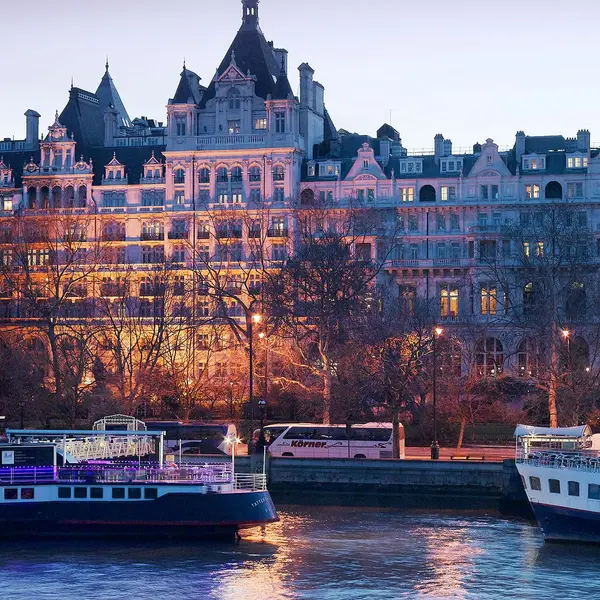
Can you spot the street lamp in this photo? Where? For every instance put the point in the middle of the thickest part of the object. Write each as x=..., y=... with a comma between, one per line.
x=567, y=336
x=262, y=442
x=251, y=319
x=435, y=447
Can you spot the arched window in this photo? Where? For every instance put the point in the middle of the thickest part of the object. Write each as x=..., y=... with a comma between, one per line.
x=82, y=196
x=236, y=175
x=233, y=98
x=278, y=173
x=307, y=197
x=427, y=194
x=255, y=174
x=489, y=357
x=45, y=197
x=56, y=197
x=575, y=306
x=222, y=175
x=449, y=356
x=553, y=191
x=69, y=197
x=527, y=355
x=179, y=175
x=204, y=175
x=31, y=197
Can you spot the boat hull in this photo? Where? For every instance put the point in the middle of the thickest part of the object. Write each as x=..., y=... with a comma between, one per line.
x=176, y=515
x=560, y=524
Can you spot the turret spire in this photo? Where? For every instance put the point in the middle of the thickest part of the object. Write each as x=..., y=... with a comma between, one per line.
x=250, y=14
x=106, y=63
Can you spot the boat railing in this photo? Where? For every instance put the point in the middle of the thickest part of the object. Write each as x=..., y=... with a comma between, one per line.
x=256, y=482
x=26, y=475
x=581, y=461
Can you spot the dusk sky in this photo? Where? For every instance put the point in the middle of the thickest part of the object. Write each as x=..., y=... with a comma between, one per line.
x=469, y=69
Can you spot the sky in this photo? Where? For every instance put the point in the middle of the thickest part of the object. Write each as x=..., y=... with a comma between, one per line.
x=469, y=69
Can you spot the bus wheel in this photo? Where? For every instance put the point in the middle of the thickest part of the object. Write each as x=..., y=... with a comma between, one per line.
x=359, y=456
x=287, y=454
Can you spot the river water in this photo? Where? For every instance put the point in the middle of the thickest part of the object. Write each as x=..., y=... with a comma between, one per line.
x=317, y=553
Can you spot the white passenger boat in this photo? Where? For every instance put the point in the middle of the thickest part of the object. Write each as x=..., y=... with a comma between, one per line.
x=560, y=470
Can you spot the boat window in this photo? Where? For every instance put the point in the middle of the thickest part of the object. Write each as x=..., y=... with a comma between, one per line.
x=80, y=492
x=573, y=488
x=11, y=494
x=96, y=493
x=535, y=483
x=554, y=485
x=118, y=493
x=64, y=492
x=150, y=493
x=27, y=493
x=134, y=493
x=593, y=491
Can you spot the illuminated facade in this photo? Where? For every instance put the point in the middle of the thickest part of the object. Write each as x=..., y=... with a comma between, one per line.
x=236, y=157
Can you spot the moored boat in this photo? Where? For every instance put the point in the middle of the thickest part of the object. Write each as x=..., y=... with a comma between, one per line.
x=42, y=495
x=560, y=471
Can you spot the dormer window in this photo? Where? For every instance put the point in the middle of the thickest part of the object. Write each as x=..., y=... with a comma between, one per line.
x=111, y=174
x=411, y=166
x=534, y=163
x=180, y=125
x=279, y=122
x=365, y=164
x=451, y=165
x=311, y=171
x=577, y=161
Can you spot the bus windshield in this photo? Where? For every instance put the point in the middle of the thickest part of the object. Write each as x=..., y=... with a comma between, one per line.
x=194, y=438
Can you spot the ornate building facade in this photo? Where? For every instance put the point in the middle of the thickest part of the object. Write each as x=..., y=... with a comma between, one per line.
x=238, y=156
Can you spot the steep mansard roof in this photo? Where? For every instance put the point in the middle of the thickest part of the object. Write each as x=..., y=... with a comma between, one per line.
x=254, y=55
x=108, y=95
x=83, y=117
x=189, y=88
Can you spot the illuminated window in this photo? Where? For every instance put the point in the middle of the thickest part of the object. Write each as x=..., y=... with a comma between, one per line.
x=539, y=249
x=260, y=124
x=532, y=191
x=488, y=300
x=233, y=127
x=448, y=193
x=448, y=301
x=407, y=194
x=526, y=249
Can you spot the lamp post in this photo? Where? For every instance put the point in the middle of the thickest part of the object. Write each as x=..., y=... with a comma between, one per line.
x=262, y=442
x=435, y=447
x=567, y=336
x=251, y=320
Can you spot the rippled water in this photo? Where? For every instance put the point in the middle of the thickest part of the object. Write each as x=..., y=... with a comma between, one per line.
x=320, y=553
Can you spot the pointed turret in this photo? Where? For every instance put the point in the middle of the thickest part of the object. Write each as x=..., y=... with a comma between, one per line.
x=250, y=14
x=189, y=90
x=109, y=96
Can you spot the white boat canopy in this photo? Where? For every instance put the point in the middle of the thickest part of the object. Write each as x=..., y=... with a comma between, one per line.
x=571, y=432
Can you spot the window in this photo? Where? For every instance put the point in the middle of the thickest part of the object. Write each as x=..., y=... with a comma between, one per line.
x=233, y=127
x=448, y=193
x=414, y=251
x=488, y=300
x=489, y=357
x=278, y=252
x=204, y=175
x=575, y=190
x=279, y=122
x=222, y=175
x=233, y=97
x=311, y=171
x=455, y=250
x=441, y=250
x=260, y=124
x=554, y=486
x=539, y=249
x=365, y=164
x=118, y=493
x=582, y=219
x=279, y=195
x=535, y=484
x=179, y=198
x=64, y=492
x=134, y=493
x=454, y=223
x=441, y=222
x=180, y=126
x=179, y=176
x=11, y=494
x=150, y=493
x=254, y=174
x=532, y=191
x=96, y=493
x=594, y=491
x=573, y=488
x=484, y=192
x=526, y=249
x=527, y=357
x=279, y=173
x=27, y=493
x=407, y=194
x=80, y=492
x=413, y=223
x=448, y=301
x=408, y=295
x=494, y=192
x=577, y=162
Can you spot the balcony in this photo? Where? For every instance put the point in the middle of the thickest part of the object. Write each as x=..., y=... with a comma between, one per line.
x=117, y=181
x=152, y=180
x=278, y=232
x=229, y=234
x=178, y=235
x=209, y=142
x=152, y=236
x=118, y=236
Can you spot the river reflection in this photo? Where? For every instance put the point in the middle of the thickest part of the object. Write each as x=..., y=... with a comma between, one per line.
x=321, y=553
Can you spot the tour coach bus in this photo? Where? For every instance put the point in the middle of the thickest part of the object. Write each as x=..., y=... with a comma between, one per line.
x=308, y=440
x=195, y=438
